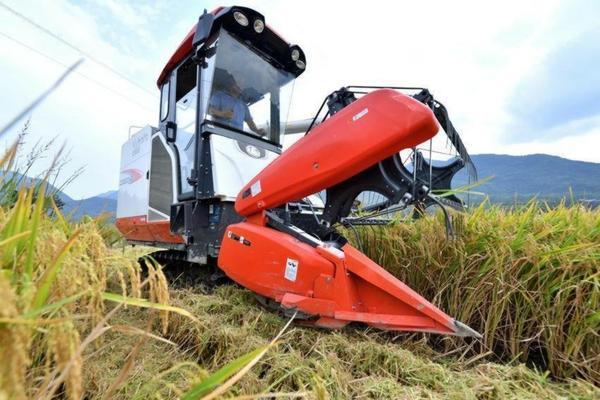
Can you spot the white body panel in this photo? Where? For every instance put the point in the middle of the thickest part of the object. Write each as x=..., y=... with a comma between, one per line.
x=234, y=163
x=132, y=199
x=233, y=167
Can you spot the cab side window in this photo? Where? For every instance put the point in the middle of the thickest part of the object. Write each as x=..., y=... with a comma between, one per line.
x=185, y=117
x=164, y=100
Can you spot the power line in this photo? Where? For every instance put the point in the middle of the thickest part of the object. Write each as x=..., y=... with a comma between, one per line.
x=41, y=98
x=95, y=81
x=72, y=46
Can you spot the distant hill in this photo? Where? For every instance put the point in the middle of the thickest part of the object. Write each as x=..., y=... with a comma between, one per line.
x=112, y=194
x=541, y=175
x=92, y=206
x=516, y=178
x=27, y=181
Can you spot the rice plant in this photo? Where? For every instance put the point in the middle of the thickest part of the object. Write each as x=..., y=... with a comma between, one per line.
x=54, y=277
x=61, y=283
x=527, y=277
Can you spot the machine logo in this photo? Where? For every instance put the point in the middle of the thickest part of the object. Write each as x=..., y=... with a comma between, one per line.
x=129, y=176
x=251, y=150
x=360, y=115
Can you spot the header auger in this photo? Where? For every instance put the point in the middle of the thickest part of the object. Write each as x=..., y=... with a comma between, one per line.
x=212, y=184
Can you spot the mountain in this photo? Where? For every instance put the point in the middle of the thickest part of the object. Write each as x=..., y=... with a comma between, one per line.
x=111, y=194
x=541, y=175
x=514, y=178
x=92, y=206
x=27, y=181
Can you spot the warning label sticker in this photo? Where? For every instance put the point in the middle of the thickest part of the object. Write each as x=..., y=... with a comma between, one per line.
x=291, y=269
x=255, y=188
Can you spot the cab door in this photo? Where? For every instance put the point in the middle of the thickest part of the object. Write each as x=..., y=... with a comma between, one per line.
x=174, y=147
x=186, y=105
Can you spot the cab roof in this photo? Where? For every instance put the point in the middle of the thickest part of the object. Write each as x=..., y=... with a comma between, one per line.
x=278, y=46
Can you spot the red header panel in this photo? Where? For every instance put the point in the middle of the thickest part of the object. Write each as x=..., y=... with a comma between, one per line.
x=365, y=132
x=184, y=48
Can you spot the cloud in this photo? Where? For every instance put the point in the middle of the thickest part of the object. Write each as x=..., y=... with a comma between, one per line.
x=91, y=119
x=474, y=56
x=561, y=95
x=582, y=147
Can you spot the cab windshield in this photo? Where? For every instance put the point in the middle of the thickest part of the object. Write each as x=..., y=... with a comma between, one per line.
x=244, y=91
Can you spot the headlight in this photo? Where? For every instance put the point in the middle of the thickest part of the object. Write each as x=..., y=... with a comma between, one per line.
x=240, y=18
x=300, y=64
x=259, y=26
x=295, y=54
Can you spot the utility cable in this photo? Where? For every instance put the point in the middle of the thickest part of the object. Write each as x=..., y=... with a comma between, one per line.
x=74, y=47
x=95, y=81
x=41, y=98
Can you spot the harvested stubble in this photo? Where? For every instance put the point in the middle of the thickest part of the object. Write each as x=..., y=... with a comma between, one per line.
x=347, y=364
x=528, y=278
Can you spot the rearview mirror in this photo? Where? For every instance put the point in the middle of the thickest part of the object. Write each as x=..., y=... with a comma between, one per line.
x=171, y=131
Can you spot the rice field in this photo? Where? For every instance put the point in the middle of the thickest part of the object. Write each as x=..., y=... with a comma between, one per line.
x=139, y=355
x=59, y=285
x=527, y=277
x=79, y=319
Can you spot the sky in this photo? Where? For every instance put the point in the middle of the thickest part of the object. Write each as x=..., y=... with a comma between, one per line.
x=517, y=77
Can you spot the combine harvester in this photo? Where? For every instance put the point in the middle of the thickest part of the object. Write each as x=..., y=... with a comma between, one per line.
x=211, y=185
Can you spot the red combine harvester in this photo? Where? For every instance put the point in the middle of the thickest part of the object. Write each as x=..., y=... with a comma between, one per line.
x=212, y=186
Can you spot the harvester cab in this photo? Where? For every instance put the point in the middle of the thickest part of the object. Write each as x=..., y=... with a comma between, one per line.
x=225, y=94
x=211, y=184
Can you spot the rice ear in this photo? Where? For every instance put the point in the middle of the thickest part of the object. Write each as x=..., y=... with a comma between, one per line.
x=15, y=342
